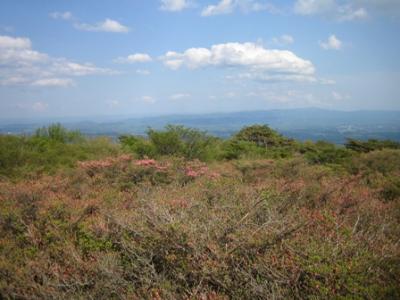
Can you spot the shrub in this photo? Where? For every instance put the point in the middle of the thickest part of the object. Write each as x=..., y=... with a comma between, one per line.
x=371, y=145
x=138, y=145
x=385, y=161
x=181, y=141
x=166, y=142
x=323, y=152
x=48, y=150
x=235, y=149
x=56, y=132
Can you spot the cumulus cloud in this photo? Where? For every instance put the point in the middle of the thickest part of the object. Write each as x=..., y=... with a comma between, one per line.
x=108, y=25
x=135, y=58
x=179, y=96
x=333, y=43
x=174, y=5
x=249, y=56
x=21, y=65
x=61, y=15
x=229, y=6
x=14, y=43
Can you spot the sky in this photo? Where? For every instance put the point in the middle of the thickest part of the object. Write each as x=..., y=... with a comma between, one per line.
x=74, y=58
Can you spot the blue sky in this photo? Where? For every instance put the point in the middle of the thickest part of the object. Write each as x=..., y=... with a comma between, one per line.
x=151, y=57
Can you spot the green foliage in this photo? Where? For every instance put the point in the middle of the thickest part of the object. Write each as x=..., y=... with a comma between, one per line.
x=323, y=152
x=371, y=145
x=172, y=141
x=391, y=189
x=138, y=145
x=257, y=141
x=57, y=133
x=48, y=150
x=171, y=228
x=166, y=142
x=235, y=149
x=88, y=243
x=262, y=136
x=385, y=162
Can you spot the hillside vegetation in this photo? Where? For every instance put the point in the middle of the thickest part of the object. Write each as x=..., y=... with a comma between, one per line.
x=180, y=214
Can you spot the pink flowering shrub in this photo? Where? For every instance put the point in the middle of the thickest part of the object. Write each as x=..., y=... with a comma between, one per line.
x=94, y=166
x=146, y=162
x=196, y=168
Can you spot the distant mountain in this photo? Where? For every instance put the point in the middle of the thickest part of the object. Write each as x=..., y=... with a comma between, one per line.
x=303, y=124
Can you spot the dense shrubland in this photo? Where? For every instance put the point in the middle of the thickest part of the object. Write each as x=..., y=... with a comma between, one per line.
x=180, y=214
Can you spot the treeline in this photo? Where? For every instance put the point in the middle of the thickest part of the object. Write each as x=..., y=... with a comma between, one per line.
x=53, y=147
x=257, y=141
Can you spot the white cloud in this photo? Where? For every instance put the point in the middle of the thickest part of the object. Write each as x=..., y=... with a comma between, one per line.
x=348, y=13
x=135, y=58
x=254, y=58
x=179, y=96
x=108, y=25
x=14, y=43
x=64, y=66
x=333, y=43
x=142, y=72
x=174, y=5
x=53, y=82
x=229, y=6
x=148, y=99
x=61, y=15
x=21, y=65
x=342, y=11
x=283, y=40
x=223, y=7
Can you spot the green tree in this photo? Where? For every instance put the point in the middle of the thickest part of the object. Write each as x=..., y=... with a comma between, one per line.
x=262, y=136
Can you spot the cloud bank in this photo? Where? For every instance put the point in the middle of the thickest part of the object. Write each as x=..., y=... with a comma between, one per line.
x=251, y=57
x=21, y=65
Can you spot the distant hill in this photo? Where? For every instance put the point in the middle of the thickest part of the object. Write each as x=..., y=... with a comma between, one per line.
x=303, y=124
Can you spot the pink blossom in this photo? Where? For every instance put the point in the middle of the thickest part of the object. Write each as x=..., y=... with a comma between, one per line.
x=146, y=162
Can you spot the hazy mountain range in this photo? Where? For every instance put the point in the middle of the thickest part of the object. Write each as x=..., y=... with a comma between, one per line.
x=303, y=124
